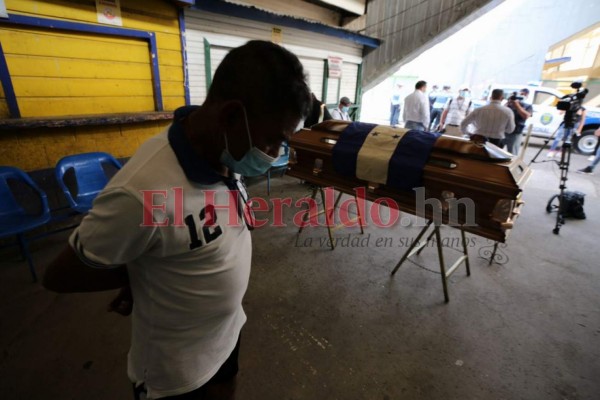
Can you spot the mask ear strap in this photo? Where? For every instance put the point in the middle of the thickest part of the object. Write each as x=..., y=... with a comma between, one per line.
x=226, y=142
x=247, y=125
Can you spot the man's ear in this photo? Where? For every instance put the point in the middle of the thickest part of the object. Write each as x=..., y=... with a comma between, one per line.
x=231, y=115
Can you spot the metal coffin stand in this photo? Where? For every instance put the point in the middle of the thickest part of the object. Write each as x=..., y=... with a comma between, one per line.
x=457, y=168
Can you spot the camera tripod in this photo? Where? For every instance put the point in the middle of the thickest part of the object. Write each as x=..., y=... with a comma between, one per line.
x=546, y=141
x=563, y=165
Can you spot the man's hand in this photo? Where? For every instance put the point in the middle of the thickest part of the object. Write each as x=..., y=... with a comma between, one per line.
x=123, y=303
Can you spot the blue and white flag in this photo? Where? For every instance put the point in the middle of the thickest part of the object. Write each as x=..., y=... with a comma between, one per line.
x=381, y=154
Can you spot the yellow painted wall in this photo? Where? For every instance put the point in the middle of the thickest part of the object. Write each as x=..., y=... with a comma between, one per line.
x=41, y=148
x=60, y=73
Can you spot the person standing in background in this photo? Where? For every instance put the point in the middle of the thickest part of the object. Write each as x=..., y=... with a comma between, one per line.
x=438, y=106
x=455, y=111
x=523, y=111
x=416, y=108
x=395, y=105
x=491, y=122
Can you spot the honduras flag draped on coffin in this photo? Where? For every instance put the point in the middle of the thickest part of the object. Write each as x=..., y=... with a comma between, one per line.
x=381, y=154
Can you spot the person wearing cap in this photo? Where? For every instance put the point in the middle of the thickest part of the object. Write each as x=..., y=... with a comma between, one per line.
x=341, y=111
x=455, y=111
x=522, y=112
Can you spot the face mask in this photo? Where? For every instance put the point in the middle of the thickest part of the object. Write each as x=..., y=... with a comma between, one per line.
x=345, y=109
x=254, y=163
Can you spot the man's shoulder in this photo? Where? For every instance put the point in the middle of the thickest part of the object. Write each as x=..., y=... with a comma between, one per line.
x=152, y=161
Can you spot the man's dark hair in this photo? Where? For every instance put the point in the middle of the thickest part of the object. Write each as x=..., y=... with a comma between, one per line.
x=268, y=79
x=420, y=84
x=497, y=94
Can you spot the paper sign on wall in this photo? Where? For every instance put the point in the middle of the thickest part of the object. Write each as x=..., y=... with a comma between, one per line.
x=109, y=12
x=334, y=65
x=276, y=35
x=3, y=13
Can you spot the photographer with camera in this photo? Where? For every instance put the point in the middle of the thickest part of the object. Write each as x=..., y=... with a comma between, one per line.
x=522, y=112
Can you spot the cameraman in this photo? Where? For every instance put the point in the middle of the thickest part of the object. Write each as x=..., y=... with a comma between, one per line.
x=579, y=120
x=522, y=112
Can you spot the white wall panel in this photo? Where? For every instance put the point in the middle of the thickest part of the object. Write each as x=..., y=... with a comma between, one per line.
x=225, y=32
x=349, y=74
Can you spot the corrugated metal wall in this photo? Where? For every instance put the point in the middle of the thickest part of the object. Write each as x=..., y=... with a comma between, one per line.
x=225, y=32
x=68, y=73
x=408, y=27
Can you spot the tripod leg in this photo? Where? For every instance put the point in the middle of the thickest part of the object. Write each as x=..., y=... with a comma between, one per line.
x=546, y=141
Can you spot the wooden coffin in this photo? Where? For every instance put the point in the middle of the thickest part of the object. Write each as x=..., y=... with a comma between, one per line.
x=457, y=169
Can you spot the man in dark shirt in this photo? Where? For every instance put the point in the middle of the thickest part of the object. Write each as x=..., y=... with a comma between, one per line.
x=522, y=112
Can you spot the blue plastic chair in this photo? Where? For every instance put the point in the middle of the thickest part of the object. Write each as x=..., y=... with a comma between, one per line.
x=89, y=176
x=14, y=220
x=280, y=163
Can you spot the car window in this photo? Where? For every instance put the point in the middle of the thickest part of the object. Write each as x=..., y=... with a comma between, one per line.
x=544, y=99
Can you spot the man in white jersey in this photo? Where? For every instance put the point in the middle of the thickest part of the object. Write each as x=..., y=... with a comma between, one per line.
x=173, y=227
x=454, y=112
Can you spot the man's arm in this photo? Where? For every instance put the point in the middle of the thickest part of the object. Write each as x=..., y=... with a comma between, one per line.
x=522, y=111
x=68, y=274
x=425, y=112
x=467, y=121
x=443, y=118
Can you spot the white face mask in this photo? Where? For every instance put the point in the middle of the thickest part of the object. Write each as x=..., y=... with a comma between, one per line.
x=254, y=163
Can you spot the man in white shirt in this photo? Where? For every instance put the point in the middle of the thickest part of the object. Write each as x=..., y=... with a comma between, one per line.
x=492, y=121
x=341, y=111
x=455, y=111
x=416, y=108
x=173, y=226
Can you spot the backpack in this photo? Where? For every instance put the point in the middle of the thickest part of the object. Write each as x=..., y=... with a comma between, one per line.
x=572, y=206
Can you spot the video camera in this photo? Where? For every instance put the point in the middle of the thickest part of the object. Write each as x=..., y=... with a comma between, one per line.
x=514, y=97
x=571, y=103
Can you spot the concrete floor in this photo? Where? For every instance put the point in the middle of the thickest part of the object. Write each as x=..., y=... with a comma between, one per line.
x=333, y=325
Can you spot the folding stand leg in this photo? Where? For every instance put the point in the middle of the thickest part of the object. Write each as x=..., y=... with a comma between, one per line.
x=493, y=253
x=411, y=250
x=329, y=213
x=328, y=217
x=465, y=253
x=464, y=258
x=426, y=241
x=438, y=237
x=417, y=247
x=305, y=217
x=360, y=221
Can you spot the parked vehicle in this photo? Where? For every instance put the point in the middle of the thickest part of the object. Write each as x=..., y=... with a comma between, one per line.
x=546, y=118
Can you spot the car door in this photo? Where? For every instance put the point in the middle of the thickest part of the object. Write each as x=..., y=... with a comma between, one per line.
x=546, y=118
